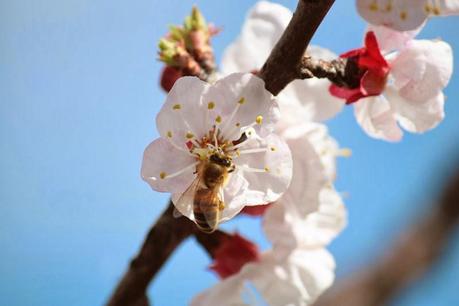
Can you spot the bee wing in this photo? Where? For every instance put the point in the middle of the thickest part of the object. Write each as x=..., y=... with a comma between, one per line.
x=184, y=204
x=213, y=215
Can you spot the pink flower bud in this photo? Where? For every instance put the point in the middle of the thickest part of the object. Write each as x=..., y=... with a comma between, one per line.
x=168, y=77
x=232, y=254
x=255, y=211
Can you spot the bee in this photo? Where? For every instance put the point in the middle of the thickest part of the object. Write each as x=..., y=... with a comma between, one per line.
x=206, y=191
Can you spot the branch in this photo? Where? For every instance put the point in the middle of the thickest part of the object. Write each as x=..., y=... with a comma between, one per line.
x=281, y=66
x=279, y=70
x=411, y=256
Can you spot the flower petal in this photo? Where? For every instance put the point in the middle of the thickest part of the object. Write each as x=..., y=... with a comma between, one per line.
x=417, y=117
x=183, y=112
x=244, y=100
x=162, y=159
x=268, y=173
x=401, y=15
x=225, y=293
x=377, y=118
x=390, y=40
x=297, y=280
x=264, y=25
x=422, y=69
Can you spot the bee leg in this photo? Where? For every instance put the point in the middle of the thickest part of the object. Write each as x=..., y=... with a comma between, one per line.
x=221, y=205
x=233, y=167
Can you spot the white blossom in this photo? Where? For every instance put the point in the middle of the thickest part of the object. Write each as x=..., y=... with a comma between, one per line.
x=412, y=97
x=234, y=117
x=263, y=27
x=403, y=15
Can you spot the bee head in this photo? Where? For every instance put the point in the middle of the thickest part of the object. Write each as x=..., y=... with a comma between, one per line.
x=221, y=160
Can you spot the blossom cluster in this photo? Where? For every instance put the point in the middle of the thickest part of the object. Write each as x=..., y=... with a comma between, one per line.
x=227, y=145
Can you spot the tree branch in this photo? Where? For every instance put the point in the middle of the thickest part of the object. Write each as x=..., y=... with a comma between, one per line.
x=281, y=66
x=168, y=232
x=410, y=257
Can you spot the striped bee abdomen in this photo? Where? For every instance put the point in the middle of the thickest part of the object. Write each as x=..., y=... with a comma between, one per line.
x=206, y=209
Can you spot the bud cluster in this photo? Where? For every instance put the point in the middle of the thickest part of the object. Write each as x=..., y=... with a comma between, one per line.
x=186, y=50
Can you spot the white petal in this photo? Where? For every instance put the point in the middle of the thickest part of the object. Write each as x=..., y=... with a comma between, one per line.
x=276, y=161
x=183, y=112
x=225, y=293
x=288, y=229
x=417, y=117
x=377, y=118
x=390, y=40
x=161, y=159
x=308, y=100
x=401, y=15
x=447, y=7
x=298, y=280
x=264, y=25
x=422, y=69
x=309, y=175
x=246, y=93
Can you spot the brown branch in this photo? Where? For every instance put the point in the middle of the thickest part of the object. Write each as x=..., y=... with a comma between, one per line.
x=411, y=256
x=281, y=66
x=279, y=70
x=340, y=71
x=211, y=242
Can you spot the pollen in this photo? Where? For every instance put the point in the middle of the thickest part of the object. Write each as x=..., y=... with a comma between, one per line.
x=259, y=119
x=267, y=169
x=211, y=105
x=389, y=7
x=373, y=6
x=176, y=107
x=345, y=152
x=189, y=135
x=169, y=134
x=403, y=15
x=162, y=175
x=218, y=119
x=241, y=100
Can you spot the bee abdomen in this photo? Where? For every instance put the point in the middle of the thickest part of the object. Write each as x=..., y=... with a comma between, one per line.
x=206, y=210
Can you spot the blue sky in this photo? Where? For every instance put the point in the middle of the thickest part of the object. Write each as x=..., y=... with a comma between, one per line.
x=78, y=98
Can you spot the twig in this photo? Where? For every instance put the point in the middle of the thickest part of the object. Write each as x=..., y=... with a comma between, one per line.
x=281, y=66
x=407, y=261
x=279, y=70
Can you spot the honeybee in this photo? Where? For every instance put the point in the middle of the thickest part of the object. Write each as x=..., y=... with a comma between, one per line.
x=206, y=191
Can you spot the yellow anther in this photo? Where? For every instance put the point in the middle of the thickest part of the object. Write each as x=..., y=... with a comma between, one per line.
x=266, y=169
x=169, y=134
x=162, y=175
x=238, y=124
x=273, y=149
x=210, y=105
x=189, y=135
x=241, y=100
x=238, y=153
x=436, y=10
x=218, y=119
x=389, y=7
x=373, y=6
x=403, y=15
x=345, y=152
x=427, y=8
x=259, y=119
x=176, y=107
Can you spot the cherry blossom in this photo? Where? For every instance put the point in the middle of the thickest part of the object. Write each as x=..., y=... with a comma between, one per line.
x=234, y=117
x=402, y=83
x=299, y=225
x=264, y=25
x=404, y=15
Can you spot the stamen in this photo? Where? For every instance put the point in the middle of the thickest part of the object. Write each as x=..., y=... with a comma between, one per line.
x=255, y=170
x=164, y=175
x=230, y=118
x=344, y=152
x=176, y=107
x=256, y=150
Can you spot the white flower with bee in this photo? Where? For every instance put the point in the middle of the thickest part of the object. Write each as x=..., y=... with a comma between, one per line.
x=217, y=151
